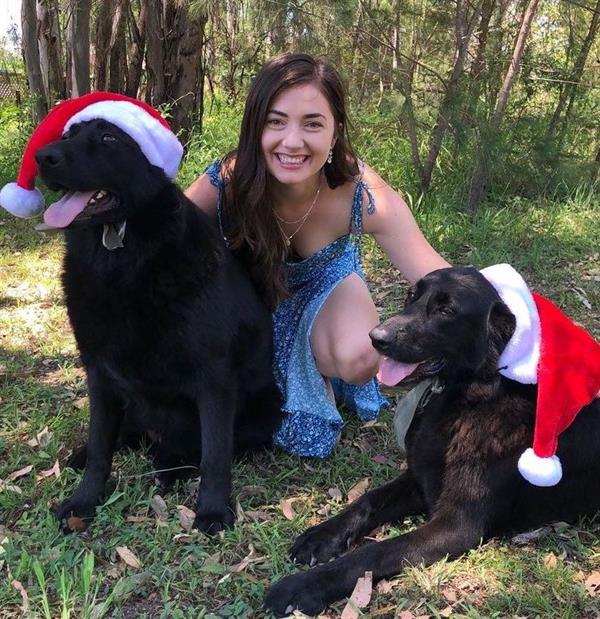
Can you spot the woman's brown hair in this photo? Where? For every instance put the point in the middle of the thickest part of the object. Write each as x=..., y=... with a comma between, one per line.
x=247, y=217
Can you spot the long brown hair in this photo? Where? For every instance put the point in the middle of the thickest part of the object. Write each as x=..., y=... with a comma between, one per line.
x=248, y=203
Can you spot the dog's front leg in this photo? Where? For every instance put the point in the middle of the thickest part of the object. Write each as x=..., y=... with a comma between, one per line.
x=217, y=413
x=105, y=419
x=446, y=534
x=389, y=503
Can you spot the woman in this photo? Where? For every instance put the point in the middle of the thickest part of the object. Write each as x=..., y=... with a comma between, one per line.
x=292, y=201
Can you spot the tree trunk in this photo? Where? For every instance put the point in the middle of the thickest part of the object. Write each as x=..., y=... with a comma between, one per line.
x=463, y=38
x=102, y=43
x=136, y=60
x=479, y=178
x=50, y=51
x=117, y=49
x=154, y=12
x=570, y=90
x=31, y=57
x=79, y=46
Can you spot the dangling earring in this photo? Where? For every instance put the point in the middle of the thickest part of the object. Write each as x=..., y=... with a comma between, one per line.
x=330, y=157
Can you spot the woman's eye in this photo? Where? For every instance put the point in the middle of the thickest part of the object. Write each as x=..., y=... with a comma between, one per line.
x=314, y=125
x=107, y=138
x=274, y=122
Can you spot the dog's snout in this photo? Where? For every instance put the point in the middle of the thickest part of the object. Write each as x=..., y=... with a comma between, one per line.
x=49, y=156
x=380, y=336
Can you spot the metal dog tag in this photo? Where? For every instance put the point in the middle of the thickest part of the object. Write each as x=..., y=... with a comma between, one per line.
x=405, y=411
x=112, y=236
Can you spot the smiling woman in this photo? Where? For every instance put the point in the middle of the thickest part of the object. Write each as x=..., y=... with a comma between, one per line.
x=291, y=201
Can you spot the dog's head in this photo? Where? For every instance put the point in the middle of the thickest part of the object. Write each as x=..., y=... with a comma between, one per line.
x=103, y=173
x=453, y=323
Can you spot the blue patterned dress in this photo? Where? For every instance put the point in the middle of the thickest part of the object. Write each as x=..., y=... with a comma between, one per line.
x=312, y=423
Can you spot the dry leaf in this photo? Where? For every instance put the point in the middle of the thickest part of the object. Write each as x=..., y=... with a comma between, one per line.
x=446, y=612
x=379, y=459
x=384, y=586
x=252, y=557
x=55, y=470
x=79, y=403
x=335, y=494
x=21, y=589
x=449, y=596
x=128, y=557
x=406, y=614
x=41, y=439
x=186, y=517
x=183, y=537
x=550, y=560
x=77, y=524
x=522, y=539
x=358, y=490
x=10, y=487
x=592, y=584
x=159, y=507
x=248, y=491
x=259, y=515
x=360, y=597
x=287, y=509
x=20, y=473
x=137, y=518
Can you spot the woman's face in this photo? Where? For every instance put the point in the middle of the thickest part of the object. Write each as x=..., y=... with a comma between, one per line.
x=298, y=134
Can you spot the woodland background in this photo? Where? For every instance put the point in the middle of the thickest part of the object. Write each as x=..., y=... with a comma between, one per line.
x=490, y=95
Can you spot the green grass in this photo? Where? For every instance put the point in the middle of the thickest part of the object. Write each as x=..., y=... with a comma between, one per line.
x=553, y=242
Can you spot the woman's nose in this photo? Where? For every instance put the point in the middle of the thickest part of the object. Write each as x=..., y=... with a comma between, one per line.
x=292, y=138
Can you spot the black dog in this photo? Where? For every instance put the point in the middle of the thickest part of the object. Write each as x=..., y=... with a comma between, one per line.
x=462, y=450
x=174, y=339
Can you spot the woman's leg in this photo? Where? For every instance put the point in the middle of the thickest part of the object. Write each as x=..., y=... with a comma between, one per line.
x=340, y=335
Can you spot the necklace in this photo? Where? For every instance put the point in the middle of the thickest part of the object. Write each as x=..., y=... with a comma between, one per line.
x=288, y=237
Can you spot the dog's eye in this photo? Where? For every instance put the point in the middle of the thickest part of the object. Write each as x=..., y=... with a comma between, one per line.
x=107, y=138
x=445, y=310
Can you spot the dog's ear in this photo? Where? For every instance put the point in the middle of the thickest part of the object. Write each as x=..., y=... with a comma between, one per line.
x=501, y=325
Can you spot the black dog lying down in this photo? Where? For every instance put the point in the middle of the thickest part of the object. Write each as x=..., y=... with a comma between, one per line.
x=462, y=451
x=175, y=342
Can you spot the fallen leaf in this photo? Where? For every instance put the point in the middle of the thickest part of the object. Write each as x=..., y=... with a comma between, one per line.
x=592, y=584
x=128, y=557
x=358, y=490
x=259, y=515
x=186, y=517
x=55, y=470
x=379, y=459
x=41, y=439
x=384, y=586
x=137, y=518
x=20, y=473
x=159, y=507
x=240, y=516
x=24, y=597
x=522, y=539
x=550, y=560
x=77, y=524
x=449, y=596
x=580, y=294
x=10, y=487
x=248, y=491
x=252, y=557
x=406, y=614
x=335, y=494
x=80, y=403
x=360, y=597
x=183, y=537
x=287, y=509
x=446, y=612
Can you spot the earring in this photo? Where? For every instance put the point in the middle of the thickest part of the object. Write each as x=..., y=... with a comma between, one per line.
x=330, y=157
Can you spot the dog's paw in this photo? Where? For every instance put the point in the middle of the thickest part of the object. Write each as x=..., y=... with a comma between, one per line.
x=74, y=515
x=296, y=592
x=318, y=545
x=213, y=522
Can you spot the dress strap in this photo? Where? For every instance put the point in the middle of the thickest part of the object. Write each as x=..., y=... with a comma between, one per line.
x=213, y=171
x=357, y=205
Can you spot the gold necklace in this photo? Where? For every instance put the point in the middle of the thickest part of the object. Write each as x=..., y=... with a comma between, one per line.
x=301, y=221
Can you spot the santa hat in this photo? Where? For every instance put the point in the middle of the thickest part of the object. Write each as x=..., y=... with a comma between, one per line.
x=549, y=350
x=139, y=120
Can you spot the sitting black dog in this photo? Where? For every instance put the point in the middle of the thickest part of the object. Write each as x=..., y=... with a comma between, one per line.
x=462, y=450
x=174, y=339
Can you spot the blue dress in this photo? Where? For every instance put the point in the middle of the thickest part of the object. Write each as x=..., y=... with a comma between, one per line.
x=312, y=423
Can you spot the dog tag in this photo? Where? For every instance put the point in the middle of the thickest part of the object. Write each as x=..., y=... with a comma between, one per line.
x=112, y=236
x=405, y=411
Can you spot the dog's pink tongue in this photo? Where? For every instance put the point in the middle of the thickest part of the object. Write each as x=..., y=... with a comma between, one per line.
x=392, y=372
x=62, y=213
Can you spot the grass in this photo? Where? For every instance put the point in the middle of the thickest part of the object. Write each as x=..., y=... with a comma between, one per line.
x=42, y=392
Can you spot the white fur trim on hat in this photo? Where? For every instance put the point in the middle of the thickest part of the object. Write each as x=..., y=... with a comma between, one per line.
x=540, y=471
x=520, y=358
x=159, y=144
x=21, y=202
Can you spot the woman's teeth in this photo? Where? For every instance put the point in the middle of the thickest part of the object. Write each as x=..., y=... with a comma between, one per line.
x=292, y=160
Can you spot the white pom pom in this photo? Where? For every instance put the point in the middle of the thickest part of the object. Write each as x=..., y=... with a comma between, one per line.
x=21, y=202
x=540, y=471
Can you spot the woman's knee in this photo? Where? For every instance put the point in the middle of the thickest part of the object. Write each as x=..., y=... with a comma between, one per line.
x=356, y=365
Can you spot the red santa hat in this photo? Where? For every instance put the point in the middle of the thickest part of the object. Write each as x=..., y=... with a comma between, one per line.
x=139, y=120
x=549, y=350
